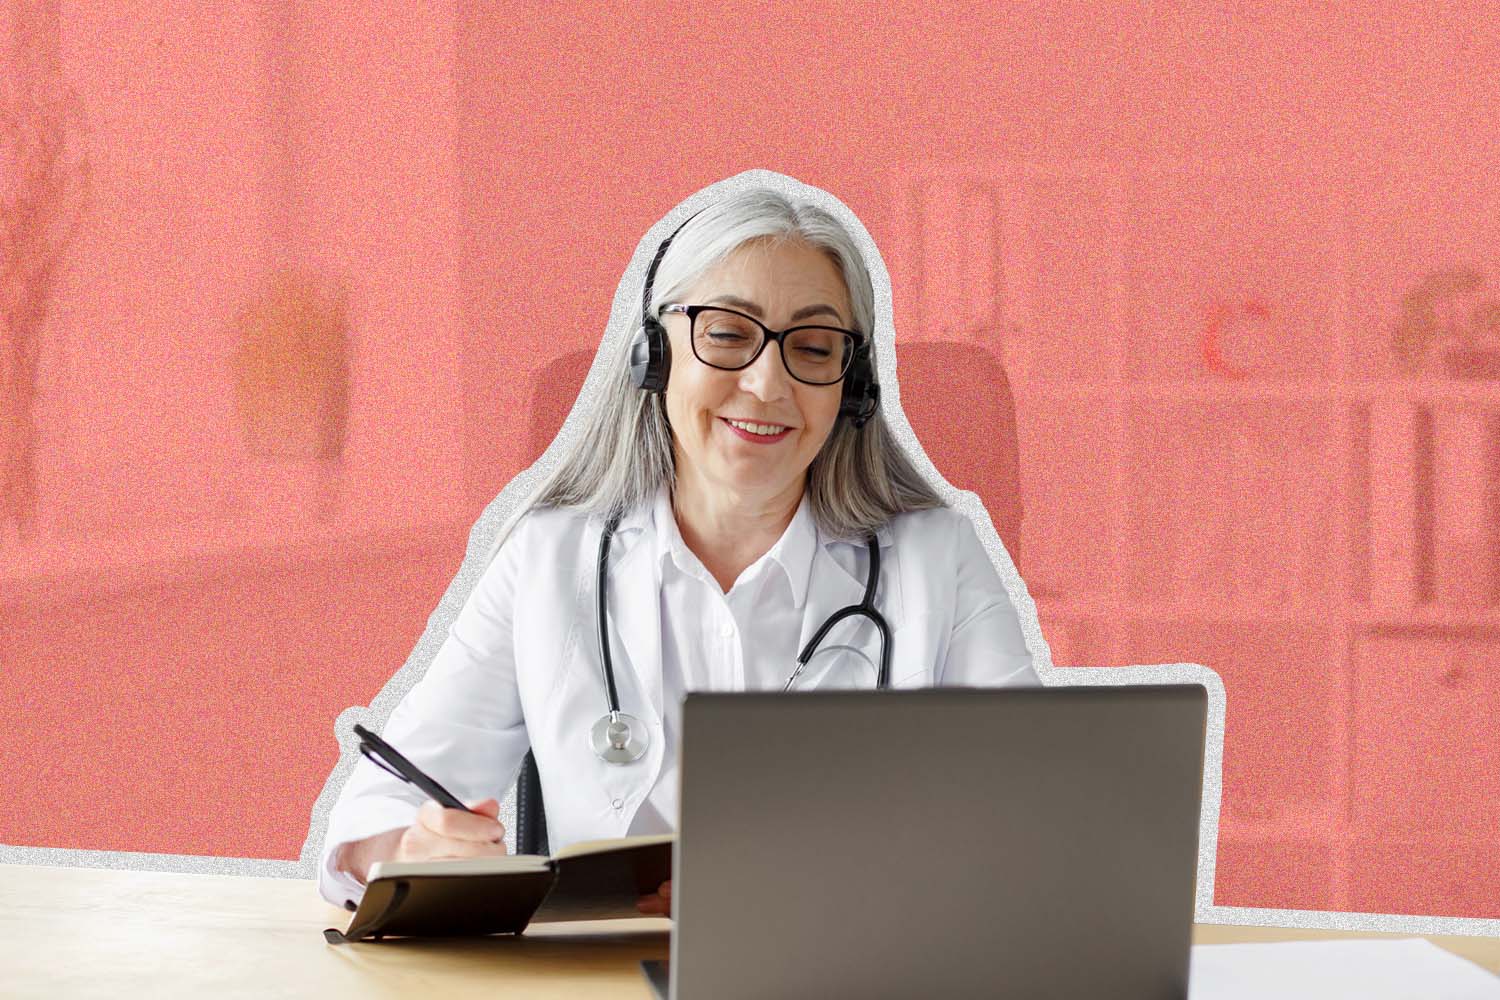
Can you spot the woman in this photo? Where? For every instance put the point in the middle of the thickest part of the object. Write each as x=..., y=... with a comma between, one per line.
x=745, y=479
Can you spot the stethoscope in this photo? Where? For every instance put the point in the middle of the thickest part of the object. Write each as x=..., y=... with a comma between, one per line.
x=619, y=738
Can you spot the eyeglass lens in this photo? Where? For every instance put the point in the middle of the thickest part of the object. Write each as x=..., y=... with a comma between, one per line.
x=815, y=354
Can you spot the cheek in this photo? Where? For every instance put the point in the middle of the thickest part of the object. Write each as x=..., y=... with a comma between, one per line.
x=820, y=412
x=687, y=406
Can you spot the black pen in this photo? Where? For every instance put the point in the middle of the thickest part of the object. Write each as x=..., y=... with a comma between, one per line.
x=370, y=745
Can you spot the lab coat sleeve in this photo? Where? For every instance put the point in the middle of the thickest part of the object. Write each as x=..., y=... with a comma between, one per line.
x=987, y=648
x=461, y=723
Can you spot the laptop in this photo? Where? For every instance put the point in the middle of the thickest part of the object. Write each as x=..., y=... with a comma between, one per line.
x=953, y=842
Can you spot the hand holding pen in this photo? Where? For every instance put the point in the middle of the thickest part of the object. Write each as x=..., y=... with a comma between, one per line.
x=445, y=827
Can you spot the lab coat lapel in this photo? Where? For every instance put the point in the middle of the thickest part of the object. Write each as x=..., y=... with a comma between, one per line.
x=831, y=588
x=635, y=615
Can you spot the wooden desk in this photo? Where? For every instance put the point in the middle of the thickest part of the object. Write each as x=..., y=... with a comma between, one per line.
x=100, y=932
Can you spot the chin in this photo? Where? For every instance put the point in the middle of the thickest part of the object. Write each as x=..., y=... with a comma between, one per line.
x=749, y=476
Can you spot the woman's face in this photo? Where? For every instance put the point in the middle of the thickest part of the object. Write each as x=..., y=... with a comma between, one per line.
x=770, y=284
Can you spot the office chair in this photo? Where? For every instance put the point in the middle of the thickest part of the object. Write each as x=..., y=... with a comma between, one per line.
x=979, y=450
x=938, y=380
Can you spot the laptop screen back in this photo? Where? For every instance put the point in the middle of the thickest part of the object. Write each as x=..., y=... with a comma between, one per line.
x=939, y=842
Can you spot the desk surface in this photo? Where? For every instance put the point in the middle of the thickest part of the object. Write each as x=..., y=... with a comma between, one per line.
x=100, y=932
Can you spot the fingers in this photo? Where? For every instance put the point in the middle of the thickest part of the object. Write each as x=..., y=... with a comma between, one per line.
x=421, y=844
x=464, y=849
x=456, y=824
x=657, y=904
x=453, y=833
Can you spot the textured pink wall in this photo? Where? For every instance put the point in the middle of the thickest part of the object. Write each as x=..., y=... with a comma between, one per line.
x=1206, y=248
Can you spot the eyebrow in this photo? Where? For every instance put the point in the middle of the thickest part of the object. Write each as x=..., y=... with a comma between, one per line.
x=755, y=310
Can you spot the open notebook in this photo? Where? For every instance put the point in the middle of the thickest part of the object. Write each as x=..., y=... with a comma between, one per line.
x=593, y=880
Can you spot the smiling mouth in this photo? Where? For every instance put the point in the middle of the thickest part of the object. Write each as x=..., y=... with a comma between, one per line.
x=756, y=428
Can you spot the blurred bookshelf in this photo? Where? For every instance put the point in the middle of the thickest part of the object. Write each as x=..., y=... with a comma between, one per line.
x=1221, y=464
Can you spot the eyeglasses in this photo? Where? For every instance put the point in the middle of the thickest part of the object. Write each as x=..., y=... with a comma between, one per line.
x=729, y=340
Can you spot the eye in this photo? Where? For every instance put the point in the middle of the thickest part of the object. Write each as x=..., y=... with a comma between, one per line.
x=727, y=336
x=725, y=329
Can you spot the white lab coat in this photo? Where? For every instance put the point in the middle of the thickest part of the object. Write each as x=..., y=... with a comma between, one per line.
x=520, y=666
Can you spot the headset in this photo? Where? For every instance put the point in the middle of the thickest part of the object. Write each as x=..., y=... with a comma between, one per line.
x=651, y=354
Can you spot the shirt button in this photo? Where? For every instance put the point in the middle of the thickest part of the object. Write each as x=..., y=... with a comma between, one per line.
x=619, y=803
x=726, y=630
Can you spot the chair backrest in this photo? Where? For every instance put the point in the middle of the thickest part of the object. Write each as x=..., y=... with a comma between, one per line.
x=553, y=393
x=959, y=403
x=556, y=388
x=958, y=400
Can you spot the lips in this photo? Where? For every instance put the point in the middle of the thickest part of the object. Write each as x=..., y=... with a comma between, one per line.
x=750, y=430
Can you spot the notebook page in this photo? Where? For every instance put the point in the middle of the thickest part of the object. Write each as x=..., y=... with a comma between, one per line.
x=1403, y=969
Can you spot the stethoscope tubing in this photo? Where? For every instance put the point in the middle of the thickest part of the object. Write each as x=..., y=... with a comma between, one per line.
x=603, y=619
x=866, y=608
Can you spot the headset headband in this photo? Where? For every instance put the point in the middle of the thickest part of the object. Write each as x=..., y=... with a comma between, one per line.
x=661, y=252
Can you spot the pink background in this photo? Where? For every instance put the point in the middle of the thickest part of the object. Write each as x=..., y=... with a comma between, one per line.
x=1193, y=240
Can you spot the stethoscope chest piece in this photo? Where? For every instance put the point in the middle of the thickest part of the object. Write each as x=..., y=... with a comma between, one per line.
x=618, y=738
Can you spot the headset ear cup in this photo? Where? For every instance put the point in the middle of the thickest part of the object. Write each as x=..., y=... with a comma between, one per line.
x=861, y=392
x=650, y=356
x=847, y=399
x=869, y=406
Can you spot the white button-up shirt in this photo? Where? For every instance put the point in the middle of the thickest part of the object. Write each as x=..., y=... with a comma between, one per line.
x=743, y=640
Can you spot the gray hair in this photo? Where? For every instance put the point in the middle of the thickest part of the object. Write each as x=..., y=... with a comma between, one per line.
x=856, y=483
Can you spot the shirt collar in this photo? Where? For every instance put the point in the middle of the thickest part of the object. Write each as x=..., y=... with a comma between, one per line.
x=793, y=551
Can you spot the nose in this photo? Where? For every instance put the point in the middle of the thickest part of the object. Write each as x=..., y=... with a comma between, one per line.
x=767, y=378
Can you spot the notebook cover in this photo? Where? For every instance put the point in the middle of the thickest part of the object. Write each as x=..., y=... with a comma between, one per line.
x=585, y=887
x=446, y=906
x=606, y=886
x=658, y=974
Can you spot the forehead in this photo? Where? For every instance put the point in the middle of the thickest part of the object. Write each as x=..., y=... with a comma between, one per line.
x=777, y=275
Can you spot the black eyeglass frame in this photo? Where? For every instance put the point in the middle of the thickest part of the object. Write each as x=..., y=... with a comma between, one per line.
x=767, y=336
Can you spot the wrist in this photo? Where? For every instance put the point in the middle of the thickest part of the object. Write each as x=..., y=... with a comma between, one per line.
x=344, y=861
x=355, y=857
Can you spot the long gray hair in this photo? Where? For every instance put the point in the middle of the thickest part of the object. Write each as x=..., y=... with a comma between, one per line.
x=860, y=478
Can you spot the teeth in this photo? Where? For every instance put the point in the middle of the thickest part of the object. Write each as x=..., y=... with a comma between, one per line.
x=762, y=429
